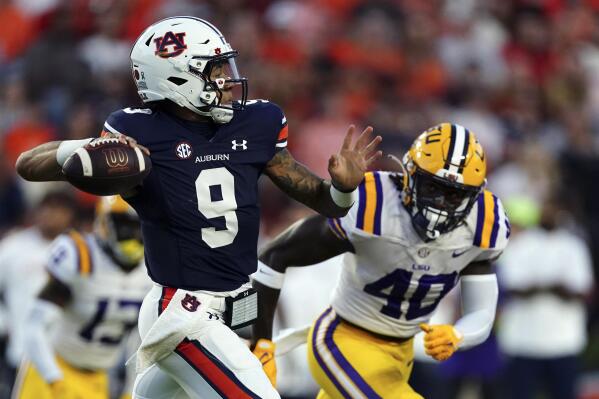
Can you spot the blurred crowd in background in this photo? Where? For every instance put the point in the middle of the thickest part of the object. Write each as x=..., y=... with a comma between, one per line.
x=522, y=74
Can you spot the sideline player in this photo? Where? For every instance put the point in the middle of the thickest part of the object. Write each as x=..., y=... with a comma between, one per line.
x=90, y=303
x=408, y=241
x=199, y=205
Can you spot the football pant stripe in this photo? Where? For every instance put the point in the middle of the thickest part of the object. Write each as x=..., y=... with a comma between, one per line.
x=165, y=298
x=327, y=363
x=83, y=255
x=219, y=376
x=353, y=375
x=489, y=219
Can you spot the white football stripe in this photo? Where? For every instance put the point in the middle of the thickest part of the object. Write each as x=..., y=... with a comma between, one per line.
x=140, y=159
x=281, y=145
x=329, y=360
x=111, y=129
x=283, y=120
x=86, y=162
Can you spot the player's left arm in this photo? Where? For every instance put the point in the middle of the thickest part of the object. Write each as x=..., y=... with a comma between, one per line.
x=479, y=294
x=330, y=198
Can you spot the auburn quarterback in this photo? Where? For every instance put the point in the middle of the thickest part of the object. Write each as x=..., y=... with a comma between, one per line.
x=90, y=303
x=408, y=240
x=199, y=205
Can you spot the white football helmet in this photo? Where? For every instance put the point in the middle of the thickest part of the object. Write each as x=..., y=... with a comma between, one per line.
x=173, y=58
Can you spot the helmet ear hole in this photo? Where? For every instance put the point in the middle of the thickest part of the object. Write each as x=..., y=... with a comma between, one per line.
x=177, y=81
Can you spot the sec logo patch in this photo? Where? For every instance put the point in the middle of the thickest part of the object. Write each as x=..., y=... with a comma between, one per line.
x=183, y=150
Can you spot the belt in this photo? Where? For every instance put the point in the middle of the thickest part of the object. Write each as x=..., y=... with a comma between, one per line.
x=390, y=338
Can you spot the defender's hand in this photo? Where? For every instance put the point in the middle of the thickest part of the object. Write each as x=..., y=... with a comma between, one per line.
x=440, y=341
x=347, y=167
x=265, y=352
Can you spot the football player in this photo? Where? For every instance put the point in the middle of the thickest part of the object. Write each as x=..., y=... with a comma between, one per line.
x=408, y=240
x=199, y=204
x=90, y=303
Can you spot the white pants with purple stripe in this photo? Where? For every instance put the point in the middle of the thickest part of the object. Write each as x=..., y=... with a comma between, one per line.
x=212, y=362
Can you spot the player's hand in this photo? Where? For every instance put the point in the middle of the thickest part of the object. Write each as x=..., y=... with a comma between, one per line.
x=61, y=391
x=440, y=341
x=265, y=352
x=130, y=141
x=348, y=166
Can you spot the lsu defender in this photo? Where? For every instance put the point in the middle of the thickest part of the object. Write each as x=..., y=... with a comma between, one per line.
x=409, y=239
x=77, y=327
x=199, y=205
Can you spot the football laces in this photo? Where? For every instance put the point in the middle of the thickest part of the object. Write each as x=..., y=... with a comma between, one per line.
x=104, y=140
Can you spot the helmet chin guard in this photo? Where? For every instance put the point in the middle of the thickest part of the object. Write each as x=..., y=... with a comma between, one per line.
x=174, y=59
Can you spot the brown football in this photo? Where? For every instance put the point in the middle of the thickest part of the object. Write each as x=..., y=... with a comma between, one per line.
x=107, y=166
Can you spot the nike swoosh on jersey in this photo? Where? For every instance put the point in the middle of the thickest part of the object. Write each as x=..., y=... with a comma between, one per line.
x=455, y=254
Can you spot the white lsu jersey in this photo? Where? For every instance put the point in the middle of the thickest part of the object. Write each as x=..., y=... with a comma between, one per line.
x=104, y=304
x=395, y=280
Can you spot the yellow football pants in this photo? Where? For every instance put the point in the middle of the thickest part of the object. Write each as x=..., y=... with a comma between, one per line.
x=348, y=362
x=80, y=384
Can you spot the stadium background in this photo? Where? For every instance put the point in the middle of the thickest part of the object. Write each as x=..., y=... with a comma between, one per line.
x=524, y=75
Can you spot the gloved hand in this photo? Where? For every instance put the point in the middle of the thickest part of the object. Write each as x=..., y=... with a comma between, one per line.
x=61, y=391
x=265, y=352
x=440, y=341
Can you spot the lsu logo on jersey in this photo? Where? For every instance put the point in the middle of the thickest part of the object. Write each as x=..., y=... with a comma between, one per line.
x=170, y=39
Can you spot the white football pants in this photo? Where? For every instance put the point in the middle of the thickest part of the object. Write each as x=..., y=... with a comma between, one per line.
x=212, y=362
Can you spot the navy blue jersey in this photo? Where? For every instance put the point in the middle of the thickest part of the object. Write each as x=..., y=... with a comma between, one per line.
x=199, y=205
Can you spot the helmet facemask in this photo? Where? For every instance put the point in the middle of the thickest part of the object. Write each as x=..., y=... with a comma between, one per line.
x=212, y=94
x=436, y=204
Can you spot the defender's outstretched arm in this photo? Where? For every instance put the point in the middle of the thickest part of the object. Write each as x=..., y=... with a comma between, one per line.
x=307, y=242
x=347, y=168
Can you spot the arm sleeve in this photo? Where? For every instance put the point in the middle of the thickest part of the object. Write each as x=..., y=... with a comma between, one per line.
x=39, y=350
x=479, y=301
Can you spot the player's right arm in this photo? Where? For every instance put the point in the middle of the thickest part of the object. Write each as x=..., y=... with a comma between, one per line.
x=44, y=162
x=307, y=242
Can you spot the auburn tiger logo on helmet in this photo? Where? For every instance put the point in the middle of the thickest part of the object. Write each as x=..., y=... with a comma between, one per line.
x=445, y=172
